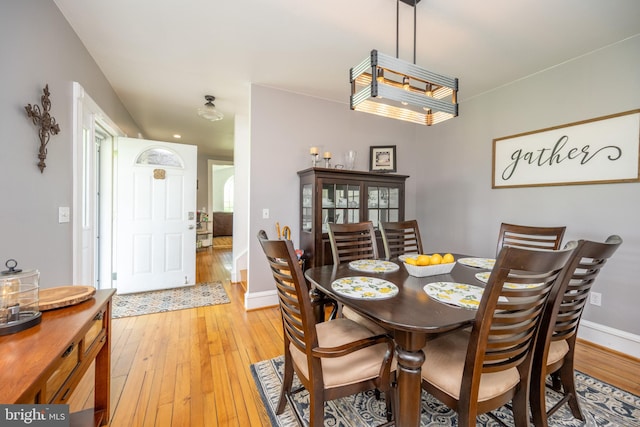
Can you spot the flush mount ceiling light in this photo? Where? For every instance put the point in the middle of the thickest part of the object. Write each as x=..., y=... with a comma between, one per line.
x=391, y=87
x=209, y=112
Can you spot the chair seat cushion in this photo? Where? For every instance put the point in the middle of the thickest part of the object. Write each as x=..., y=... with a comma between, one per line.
x=444, y=365
x=355, y=367
x=350, y=313
x=557, y=350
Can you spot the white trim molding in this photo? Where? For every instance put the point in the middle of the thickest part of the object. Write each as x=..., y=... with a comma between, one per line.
x=255, y=300
x=615, y=339
x=239, y=264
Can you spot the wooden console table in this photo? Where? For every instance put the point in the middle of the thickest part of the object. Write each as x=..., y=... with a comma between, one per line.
x=45, y=363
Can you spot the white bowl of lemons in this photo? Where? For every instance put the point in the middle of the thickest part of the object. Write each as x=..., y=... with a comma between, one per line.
x=422, y=265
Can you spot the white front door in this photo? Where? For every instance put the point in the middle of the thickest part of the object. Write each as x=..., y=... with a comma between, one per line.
x=156, y=215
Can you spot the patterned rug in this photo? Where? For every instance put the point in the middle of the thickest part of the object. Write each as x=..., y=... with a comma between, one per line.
x=602, y=405
x=169, y=300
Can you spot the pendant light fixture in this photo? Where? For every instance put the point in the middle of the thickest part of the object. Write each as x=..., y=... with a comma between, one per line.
x=209, y=112
x=391, y=87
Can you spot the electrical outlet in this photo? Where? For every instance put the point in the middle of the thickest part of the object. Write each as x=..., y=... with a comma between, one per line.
x=265, y=213
x=595, y=298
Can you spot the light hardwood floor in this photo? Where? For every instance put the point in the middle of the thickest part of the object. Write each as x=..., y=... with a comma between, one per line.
x=191, y=367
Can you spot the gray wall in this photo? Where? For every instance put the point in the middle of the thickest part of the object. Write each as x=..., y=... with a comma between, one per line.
x=37, y=47
x=449, y=191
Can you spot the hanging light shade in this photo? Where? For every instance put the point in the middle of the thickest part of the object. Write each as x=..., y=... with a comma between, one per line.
x=391, y=87
x=209, y=112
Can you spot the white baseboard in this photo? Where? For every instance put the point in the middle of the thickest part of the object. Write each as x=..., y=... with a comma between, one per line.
x=255, y=300
x=615, y=339
x=239, y=263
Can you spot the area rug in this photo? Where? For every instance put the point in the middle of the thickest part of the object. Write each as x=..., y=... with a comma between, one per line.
x=168, y=300
x=602, y=405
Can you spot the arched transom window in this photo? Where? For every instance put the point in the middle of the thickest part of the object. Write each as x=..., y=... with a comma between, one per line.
x=159, y=157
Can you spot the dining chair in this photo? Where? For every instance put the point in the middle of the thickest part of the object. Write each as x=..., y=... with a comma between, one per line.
x=351, y=242
x=555, y=346
x=525, y=236
x=354, y=241
x=401, y=238
x=331, y=359
x=479, y=369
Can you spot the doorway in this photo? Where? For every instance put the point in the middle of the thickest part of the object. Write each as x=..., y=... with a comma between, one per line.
x=220, y=198
x=95, y=244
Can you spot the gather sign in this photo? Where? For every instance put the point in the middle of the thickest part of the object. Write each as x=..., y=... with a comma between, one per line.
x=601, y=150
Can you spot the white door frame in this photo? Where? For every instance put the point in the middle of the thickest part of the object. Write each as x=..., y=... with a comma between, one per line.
x=86, y=116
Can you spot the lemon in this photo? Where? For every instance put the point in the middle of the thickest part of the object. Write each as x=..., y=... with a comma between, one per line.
x=448, y=259
x=435, y=259
x=411, y=261
x=423, y=260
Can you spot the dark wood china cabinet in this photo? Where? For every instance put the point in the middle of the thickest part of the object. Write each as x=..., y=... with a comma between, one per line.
x=344, y=196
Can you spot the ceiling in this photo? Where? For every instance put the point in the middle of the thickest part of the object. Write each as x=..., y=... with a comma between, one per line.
x=161, y=57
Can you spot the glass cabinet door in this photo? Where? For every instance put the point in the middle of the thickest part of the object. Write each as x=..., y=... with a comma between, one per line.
x=383, y=203
x=307, y=207
x=340, y=204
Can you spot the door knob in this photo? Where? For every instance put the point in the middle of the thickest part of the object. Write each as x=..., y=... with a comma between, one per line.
x=191, y=227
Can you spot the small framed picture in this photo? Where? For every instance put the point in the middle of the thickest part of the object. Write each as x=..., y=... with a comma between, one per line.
x=382, y=158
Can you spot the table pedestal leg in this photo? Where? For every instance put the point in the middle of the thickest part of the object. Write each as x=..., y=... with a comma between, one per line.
x=410, y=360
x=318, y=308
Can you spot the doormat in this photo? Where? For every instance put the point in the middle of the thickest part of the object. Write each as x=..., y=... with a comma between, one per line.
x=602, y=405
x=141, y=303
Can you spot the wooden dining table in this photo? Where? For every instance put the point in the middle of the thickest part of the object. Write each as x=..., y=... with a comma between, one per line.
x=411, y=317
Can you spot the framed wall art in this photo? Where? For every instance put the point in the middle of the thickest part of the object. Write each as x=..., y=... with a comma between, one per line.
x=596, y=151
x=382, y=158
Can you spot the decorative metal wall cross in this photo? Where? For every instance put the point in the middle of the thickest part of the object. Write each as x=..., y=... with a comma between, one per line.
x=47, y=124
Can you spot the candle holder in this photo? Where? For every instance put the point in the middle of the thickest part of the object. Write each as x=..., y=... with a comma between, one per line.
x=314, y=159
x=327, y=158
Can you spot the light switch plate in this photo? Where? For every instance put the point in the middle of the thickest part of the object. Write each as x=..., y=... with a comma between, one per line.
x=63, y=214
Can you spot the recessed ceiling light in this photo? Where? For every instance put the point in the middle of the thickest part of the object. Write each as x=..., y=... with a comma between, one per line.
x=177, y=136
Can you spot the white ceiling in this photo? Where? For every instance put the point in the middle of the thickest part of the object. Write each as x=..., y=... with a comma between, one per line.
x=161, y=57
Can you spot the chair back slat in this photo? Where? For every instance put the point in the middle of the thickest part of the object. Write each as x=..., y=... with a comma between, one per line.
x=400, y=238
x=350, y=242
x=529, y=237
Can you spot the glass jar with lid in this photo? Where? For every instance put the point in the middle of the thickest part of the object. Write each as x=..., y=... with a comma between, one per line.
x=18, y=299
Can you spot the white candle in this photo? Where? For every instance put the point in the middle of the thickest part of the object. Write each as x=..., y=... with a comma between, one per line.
x=313, y=150
x=327, y=155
